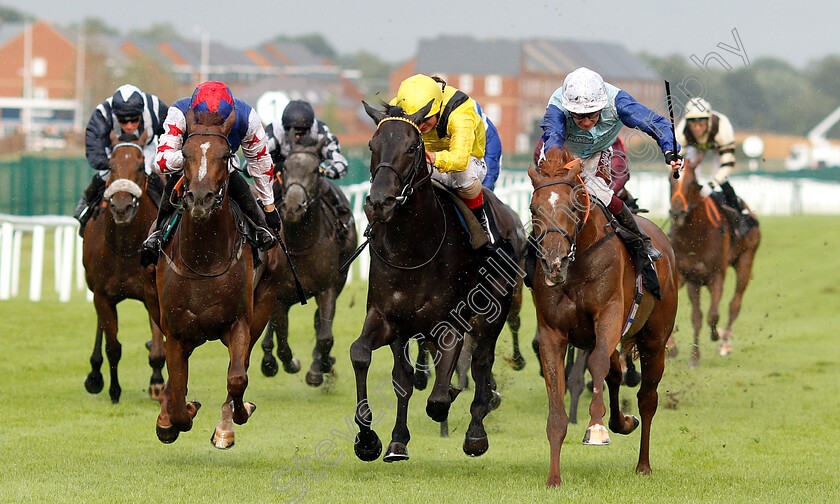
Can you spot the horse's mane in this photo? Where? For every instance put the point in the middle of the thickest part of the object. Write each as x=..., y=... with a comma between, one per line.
x=207, y=118
x=557, y=162
x=128, y=137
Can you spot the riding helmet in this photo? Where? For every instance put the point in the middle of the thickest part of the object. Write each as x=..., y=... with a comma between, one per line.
x=698, y=108
x=416, y=92
x=584, y=92
x=298, y=114
x=128, y=101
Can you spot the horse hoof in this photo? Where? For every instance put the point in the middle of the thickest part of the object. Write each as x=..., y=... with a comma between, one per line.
x=368, y=447
x=495, y=399
x=249, y=410
x=155, y=390
x=715, y=335
x=636, y=422
x=671, y=353
x=314, y=379
x=269, y=365
x=292, y=367
x=596, y=435
x=632, y=378
x=327, y=365
x=167, y=435
x=476, y=447
x=437, y=411
x=149, y=345
x=94, y=383
x=222, y=439
x=724, y=349
x=517, y=362
x=590, y=386
x=115, y=395
x=396, y=452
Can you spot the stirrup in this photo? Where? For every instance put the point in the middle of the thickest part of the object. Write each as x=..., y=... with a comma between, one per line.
x=265, y=239
x=652, y=252
x=153, y=242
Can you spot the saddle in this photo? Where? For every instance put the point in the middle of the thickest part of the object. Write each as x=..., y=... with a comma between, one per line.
x=739, y=223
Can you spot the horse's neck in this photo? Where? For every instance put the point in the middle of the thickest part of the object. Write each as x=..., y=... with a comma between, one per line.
x=418, y=222
x=307, y=230
x=211, y=240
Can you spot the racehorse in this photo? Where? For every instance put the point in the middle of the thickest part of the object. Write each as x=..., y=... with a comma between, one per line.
x=426, y=283
x=315, y=239
x=205, y=286
x=112, y=243
x=705, y=246
x=584, y=289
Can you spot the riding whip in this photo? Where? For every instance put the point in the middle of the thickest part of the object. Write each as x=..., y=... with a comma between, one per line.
x=676, y=174
x=358, y=251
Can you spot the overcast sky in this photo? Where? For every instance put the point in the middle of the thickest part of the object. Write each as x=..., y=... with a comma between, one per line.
x=796, y=31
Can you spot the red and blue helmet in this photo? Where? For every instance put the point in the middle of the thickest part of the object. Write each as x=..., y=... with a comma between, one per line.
x=212, y=96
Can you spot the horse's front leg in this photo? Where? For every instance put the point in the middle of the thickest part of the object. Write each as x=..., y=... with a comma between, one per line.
x=715, y=295
x=322, y=361
x=553, y=346
x=94, y=381
x=269, y=363
x=157, y=359
x=619, y=423
x=239, y=348
x=403, y=378
x=693, y=290
x=517, y=360
x=607, y=334
x=375, y=333
x=106, y=313
x=176, y=415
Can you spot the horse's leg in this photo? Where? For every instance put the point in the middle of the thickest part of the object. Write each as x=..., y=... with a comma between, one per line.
x=269, y=363
x=484, y=353
x=743, y=270
x=446, y=350
x=715, y=295
x=553, y=346
x=607, y=323
x=157, y=359
x=403, y=376
x=575, y=373
x=693, y=290
x=517, y=361
x=94, y=381
x=619, y=422
x=291, y=364
x=176, y=415
x=422, y=372
x=535, y=344
x=106, y=312
x=239, y=349
x=630, y=374
x=375, y=331
x=322, y=361
x=652, y=362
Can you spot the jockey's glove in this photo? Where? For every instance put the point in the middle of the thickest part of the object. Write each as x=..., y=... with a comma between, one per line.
x=273, y=220
x=671, y=156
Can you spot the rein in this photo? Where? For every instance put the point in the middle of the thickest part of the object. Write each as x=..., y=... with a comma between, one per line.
x=711, y=209
x=570, y=238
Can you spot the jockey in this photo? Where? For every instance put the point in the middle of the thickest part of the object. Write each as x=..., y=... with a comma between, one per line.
x=128, y=111
x=454, y=137
x=585, y=115
x=492, y=150
x=247, y=132
x=703, y=130
x=299, y=121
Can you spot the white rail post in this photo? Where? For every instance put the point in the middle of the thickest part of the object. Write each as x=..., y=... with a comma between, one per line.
x=59, y=241
x=66, y=275
x=6, y=260
x=17, y=240
x=36, y=275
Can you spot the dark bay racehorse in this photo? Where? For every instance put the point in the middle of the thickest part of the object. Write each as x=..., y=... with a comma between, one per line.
x=583, y=289
x=705, y=246
x=205, y=284
x=426, y=283
x=112, y=243
x=319, y=245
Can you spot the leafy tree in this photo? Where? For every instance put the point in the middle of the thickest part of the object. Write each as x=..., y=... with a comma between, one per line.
x=315, y=42
x=159, y=32
x=11, y=15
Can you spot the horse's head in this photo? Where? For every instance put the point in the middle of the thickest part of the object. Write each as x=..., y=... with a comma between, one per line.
x=397, y=157
x=559, y=208
x=128, y=177
x=207, y=155
x=301, y=177
x=685, y=195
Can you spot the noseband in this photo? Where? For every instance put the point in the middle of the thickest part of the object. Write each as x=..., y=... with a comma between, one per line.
x=124, y=184
x=581, y=223
x=220, y=196
x=409, y=185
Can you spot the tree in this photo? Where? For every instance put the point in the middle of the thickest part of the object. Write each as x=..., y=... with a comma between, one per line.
x=11, y=15
x=315, y=42
x=158, y=32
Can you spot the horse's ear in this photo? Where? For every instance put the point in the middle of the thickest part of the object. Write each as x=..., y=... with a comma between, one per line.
x=373, y=113
x=113, y=138
x=420, y=116
x=534, y=175
x=143, y=137
x=320, y=144
x=227, y=127
x=190, y=118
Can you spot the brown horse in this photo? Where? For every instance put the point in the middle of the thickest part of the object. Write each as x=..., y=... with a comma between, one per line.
x=205, y=284
x=112, y=243
x=705, y=246
x=426, y=283
x=315, y=239
x=584, y=288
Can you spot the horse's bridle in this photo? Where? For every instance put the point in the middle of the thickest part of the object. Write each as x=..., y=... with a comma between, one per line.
x=571, y=238
x=310, y=199
x=409, y=185
x=220, y=196
x=128, y=185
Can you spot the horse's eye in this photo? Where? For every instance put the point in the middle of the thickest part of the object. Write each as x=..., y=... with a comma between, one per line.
x=370, y=146
x=412, y=149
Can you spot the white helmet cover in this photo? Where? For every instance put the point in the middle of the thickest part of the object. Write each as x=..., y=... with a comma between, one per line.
x=698, y=108
x=584, y=92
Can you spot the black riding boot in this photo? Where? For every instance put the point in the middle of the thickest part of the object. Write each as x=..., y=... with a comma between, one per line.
x=625, y=218
x=342, y=211
x=152, y=244
x=488, y=224
x=92, y=195
x=741, y=219
x=240, y=191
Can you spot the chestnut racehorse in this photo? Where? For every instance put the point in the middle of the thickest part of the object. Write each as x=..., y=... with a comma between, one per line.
x=205, y=284
x=705, y=246
x=112, y=243
x=584, y=287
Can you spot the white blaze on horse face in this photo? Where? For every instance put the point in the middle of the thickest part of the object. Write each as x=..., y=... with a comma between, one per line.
x=552, y=200
x=202, y=169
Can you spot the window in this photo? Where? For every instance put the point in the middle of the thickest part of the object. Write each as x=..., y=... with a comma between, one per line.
x=465, y=83
x=40, y=93
x=493, y=85
x=39, y=67
x=494, y=112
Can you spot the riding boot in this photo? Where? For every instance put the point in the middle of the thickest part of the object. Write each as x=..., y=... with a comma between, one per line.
x=241, y=193
x=152, y=244
x=342, y=211
x=488, y=224
x=625, y=218
x=741, y=218
x=154, y=188
x=92, y=195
